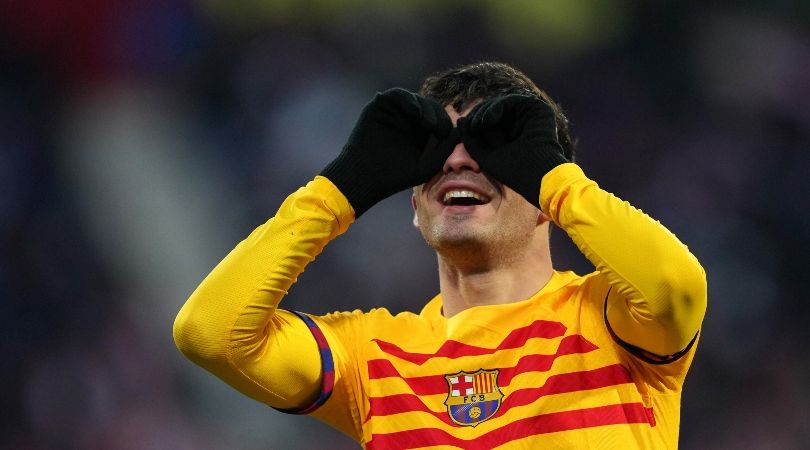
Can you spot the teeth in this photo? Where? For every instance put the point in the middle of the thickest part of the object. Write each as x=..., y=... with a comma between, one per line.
x=461, y=194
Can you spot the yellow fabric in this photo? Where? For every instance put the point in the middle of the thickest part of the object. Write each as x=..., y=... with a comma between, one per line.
x=230, y=325
x=659, y=296
x=565, y=383
x=559, y=380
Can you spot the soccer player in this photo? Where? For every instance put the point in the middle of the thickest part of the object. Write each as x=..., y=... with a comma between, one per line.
x=510, y=353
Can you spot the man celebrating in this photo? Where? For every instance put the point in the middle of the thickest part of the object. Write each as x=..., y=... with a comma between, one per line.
x=510, y=353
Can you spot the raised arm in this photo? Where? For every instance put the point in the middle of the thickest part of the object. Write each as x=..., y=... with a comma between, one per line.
x=231, y=324
x=658, y=288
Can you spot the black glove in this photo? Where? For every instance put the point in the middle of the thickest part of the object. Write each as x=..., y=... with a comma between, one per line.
x=400, y=140
x=514, y=139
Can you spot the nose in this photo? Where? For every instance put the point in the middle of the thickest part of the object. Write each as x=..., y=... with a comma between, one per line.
x=460, y=160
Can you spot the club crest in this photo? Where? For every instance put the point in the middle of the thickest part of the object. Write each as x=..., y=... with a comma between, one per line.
x=473, y=397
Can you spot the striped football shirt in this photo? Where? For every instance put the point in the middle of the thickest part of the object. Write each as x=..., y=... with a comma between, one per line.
x=541, y=373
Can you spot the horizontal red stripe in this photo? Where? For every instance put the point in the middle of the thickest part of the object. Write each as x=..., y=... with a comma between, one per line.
x=567, y=382
x=569, y=345
x=556, y=384
x=625, y=413
x=454, y=349
x=424, y=385
x=436, y=384
x=401, y=403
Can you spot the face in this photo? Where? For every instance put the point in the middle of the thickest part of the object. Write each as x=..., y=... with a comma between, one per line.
x=463, y=211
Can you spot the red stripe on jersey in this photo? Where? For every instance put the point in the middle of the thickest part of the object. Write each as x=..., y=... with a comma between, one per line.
x=569, y=345
x=556, y=384
x=454, y=349
x=625, y=413
x=568, y=382
x=424, y=385
x=402, y=403
x=436, y=384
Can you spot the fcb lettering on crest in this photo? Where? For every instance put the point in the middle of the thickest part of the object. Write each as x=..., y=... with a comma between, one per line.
x=473, y=397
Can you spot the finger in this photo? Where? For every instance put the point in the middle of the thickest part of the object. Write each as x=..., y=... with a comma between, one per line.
x=540, y=120
x=436, y=153
x=475, y=121
x=463, y=125
x=398, y=103
x=509, y=108
x=434, y=117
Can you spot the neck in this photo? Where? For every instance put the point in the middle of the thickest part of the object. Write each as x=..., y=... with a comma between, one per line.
x=492, y=281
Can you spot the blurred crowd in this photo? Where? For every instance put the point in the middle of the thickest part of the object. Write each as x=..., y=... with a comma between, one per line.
x=140, y=140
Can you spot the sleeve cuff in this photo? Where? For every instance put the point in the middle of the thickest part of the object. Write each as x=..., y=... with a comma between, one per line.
x=334, y=200
x=555, y=179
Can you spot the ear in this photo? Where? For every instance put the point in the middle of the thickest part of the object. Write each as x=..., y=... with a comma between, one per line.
x=413, y=205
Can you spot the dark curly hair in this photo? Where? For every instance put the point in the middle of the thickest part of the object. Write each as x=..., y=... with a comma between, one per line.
x=485, y=80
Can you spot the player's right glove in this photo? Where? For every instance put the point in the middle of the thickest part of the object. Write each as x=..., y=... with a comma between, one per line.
x=514, y=139
x=400, y=140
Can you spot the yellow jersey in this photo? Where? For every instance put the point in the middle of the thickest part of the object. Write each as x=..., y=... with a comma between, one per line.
x=539, y=373
x=562, y=369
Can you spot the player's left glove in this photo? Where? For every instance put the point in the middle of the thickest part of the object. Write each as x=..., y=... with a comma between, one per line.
x=514, y=139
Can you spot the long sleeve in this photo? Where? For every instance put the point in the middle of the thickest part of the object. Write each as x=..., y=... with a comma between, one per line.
x=658, y=288
x=231, y=325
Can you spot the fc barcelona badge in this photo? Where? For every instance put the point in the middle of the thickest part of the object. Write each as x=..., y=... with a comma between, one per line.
x=473, y=397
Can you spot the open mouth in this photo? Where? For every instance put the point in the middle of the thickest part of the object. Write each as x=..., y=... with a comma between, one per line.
x=463, y=197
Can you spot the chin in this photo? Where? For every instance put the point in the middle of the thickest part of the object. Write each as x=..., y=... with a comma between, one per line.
x=443, y=240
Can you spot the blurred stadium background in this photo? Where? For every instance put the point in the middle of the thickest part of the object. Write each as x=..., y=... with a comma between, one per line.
x=141, y=139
